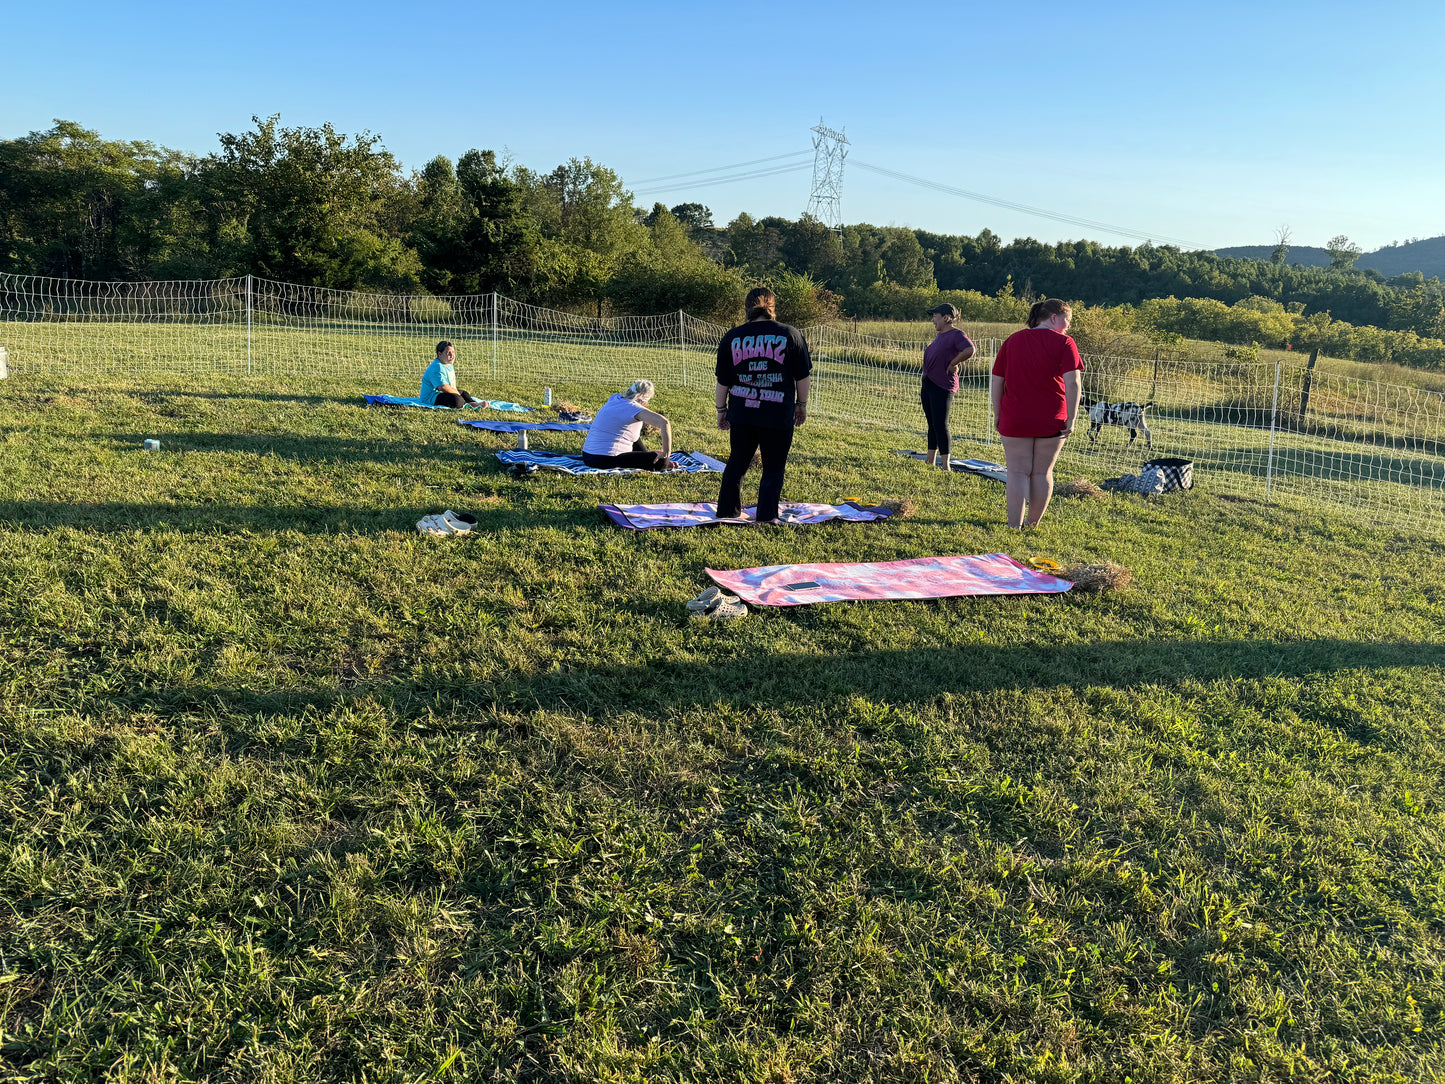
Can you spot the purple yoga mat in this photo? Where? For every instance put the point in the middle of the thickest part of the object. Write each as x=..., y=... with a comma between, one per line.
x=918, y=577
x=647, y=517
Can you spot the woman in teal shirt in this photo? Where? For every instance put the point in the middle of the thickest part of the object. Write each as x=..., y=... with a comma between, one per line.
x=439, y=382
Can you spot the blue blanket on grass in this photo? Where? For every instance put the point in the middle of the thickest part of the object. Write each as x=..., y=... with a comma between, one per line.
x=517, y=427
x=563, y=463
x=488, y=404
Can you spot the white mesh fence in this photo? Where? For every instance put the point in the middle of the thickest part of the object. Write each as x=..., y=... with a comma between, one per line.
x=1253, y=429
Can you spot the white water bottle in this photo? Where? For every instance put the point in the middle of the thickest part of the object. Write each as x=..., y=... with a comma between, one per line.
x=547, y=396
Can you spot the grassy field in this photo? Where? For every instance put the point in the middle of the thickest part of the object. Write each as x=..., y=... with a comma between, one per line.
x=921, y=332
x=1371, y=448
x=292, y=793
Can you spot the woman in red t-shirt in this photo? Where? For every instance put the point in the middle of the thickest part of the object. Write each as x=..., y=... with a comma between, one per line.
x=1035, y=392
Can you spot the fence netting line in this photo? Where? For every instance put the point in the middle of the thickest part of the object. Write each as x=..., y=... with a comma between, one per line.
x=1251, y=428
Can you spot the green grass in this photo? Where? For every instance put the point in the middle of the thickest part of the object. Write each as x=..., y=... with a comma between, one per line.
x=288, y=792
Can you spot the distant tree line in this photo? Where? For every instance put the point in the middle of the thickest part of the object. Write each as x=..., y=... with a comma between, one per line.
x=314, y=206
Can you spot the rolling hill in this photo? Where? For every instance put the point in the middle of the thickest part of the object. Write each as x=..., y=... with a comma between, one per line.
x=1427, y=257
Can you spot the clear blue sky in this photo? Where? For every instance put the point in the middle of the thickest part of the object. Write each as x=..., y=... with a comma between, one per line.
x=1214, y=123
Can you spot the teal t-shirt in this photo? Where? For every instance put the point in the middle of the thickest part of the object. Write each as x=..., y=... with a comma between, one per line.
x=437, y=374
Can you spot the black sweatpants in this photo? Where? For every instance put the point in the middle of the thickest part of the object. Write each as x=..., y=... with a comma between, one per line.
x=747, y=439
x=936, y=404
x=638, y=457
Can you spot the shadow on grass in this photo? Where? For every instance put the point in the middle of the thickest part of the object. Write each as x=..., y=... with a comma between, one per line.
x=887, y=676
x=308, y=449
x=922, y=674
x=226, y=519
x=1326, y=465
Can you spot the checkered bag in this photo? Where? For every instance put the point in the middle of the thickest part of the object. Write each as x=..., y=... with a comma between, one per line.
x=1178, y=473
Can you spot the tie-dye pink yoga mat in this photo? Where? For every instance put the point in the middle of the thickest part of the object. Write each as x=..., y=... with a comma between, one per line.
x=918, y=577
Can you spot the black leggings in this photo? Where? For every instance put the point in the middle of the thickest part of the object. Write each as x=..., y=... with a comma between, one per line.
x=747, y=439
x=936, y=403
x=455, y=400
x=638, y=457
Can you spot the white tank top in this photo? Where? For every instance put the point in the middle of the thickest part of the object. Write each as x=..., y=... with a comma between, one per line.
x=613, y=430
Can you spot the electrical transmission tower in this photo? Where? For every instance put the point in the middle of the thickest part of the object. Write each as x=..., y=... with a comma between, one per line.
x=830, y=148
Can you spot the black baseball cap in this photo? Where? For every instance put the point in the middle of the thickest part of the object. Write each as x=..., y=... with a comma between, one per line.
x=944, y=310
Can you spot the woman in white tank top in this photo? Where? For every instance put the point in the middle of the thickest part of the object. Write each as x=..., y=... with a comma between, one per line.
x=614, y=438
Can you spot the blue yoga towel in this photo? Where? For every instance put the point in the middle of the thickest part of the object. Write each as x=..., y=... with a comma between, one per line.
x=517, y=427
x=687, y=462
x=489, y=404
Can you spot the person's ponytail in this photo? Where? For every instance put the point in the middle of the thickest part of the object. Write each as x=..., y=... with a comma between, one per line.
x=761, y=302
x=1047, y=308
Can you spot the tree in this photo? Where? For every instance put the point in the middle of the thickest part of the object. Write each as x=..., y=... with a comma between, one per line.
x=811, y=248
x=1281, y=245
x=308, y=205
x=74, y=205
x=1343, y=253
x=694, y=217
x=671, y=272
x=587, y=219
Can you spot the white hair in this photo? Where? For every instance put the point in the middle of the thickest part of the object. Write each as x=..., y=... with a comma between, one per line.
x=641, y=389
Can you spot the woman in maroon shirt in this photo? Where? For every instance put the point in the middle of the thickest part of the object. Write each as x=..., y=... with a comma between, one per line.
x=1035, y=392
x=942, y=357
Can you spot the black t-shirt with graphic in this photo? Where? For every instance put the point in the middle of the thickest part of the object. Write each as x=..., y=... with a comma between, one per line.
x=760, y=363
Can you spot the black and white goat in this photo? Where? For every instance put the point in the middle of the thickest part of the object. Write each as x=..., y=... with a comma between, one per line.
x=1128, y=416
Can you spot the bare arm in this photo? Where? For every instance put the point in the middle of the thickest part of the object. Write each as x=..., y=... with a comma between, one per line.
x=651, y=417
x=963, y=355
x=800, y=410
x=995, y=396
x=1071, y=397
x=722, y=407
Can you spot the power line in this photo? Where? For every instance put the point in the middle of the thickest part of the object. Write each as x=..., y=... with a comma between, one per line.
x=748, y=176
x=1040, y=212
x=724, y=169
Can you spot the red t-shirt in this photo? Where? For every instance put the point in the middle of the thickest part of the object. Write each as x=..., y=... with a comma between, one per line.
x=1032, y=363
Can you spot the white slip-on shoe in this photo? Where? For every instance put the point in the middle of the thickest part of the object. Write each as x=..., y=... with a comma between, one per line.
x=707, y=597
x=460, y=523
x=726, y=608
x=433, y=527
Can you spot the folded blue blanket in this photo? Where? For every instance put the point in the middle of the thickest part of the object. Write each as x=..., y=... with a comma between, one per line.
x=488, y=404
x=687, y=462
x=517, y=427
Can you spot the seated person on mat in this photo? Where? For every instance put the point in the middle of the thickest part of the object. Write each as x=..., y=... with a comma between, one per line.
x=439, y=382
x=614, y=440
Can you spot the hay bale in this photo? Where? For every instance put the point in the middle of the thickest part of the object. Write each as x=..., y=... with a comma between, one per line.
x=1079, y=487
x=1103, y=577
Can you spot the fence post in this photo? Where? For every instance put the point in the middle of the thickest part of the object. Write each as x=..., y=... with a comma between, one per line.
x=248, y=325
x=1304, y=395
x=1273, y=413
x=494, y=334
x=1154, y=387
x=682, y=340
